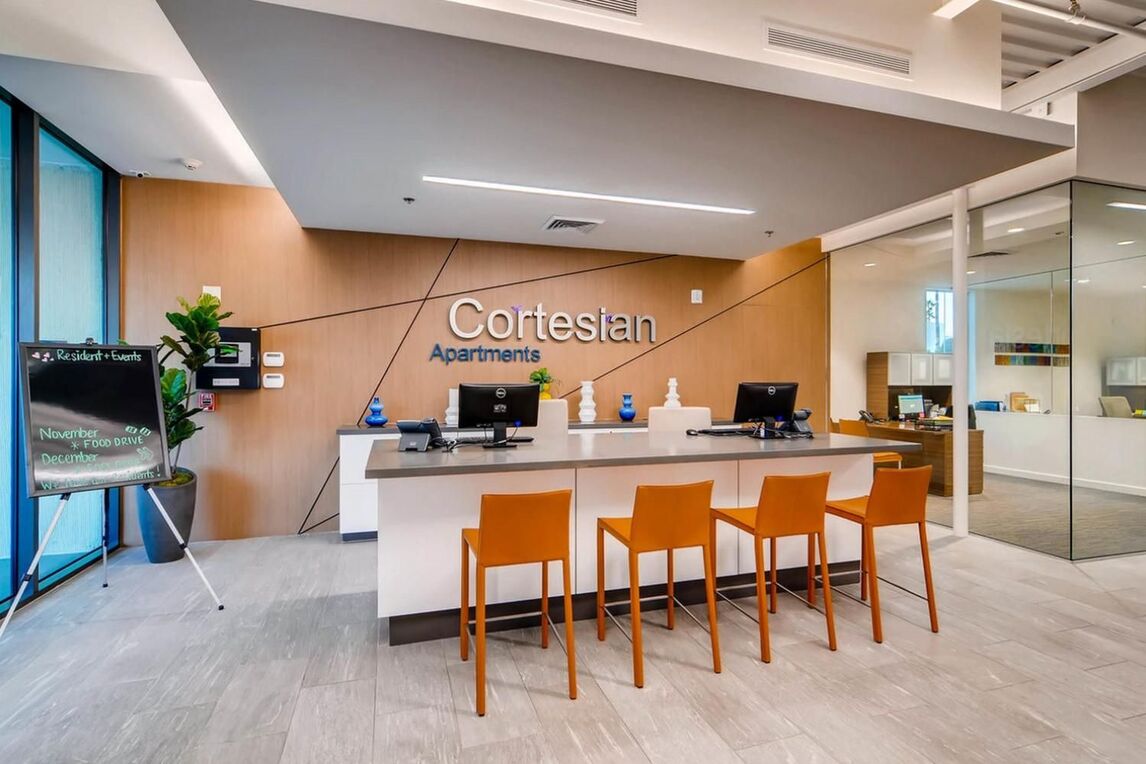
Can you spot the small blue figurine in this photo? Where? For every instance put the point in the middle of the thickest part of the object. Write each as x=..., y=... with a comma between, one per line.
x=627, y=412
x=375, y=418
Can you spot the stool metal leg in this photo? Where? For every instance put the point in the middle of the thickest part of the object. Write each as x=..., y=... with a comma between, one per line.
x=635, y=610
x=545, y=605
x=828, y=611
x=671, y=599
x=570, y=648
x=762, y=603
x=479, y=669
x=600, y=583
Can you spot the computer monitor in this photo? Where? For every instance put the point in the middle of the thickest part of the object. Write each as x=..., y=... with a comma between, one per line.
x=911, y=405
x=498, y=406
x=765, y=402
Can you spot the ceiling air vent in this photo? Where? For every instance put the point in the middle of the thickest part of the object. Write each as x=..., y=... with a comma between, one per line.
x=584, y=225
x=627, y=7
x=836, y=49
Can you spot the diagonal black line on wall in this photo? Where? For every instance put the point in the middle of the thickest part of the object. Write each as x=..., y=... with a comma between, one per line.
x=303, y=528
x=701, y=323
x=400, y=303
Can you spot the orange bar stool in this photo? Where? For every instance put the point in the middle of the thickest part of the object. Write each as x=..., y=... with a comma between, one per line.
x=517, y=529
x=859, y=427
x=898, y=497
x=665, y=517
x=790, y=505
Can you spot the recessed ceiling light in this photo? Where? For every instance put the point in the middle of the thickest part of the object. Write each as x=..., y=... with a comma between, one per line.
x=1084, y=281
x=1127, y=205
x=869, y=265
x=970, y=273
x=1015, y=230
x=585, y=195
x=1126, y=243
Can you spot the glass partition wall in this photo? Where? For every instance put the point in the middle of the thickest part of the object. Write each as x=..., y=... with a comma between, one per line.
x=1057, y=367
x=1108, y=375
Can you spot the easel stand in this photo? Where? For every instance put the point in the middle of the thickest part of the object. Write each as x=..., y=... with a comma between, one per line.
x=48, y=537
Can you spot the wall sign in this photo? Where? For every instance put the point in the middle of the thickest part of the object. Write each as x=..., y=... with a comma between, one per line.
x=469, y=320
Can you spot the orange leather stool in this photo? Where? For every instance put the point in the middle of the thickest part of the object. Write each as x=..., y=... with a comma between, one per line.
x=665, y=517
x=859, y=427
x=790, y=505
x=517, y=529
x=898, y=497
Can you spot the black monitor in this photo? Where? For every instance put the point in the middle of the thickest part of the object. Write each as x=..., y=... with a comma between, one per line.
x=498, y=406
x=768, y=403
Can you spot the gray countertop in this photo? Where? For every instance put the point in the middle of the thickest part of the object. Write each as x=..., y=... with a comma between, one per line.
x=612, y=450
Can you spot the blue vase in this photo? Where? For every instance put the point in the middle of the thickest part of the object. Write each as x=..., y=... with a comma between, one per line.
x=627, y=412
x=375, y=418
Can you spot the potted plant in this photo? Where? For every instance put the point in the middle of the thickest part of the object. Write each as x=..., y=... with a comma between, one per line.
x=542, y=377
x=197, y=325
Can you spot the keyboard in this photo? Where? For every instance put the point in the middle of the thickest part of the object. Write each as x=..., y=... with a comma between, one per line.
x=478, y=439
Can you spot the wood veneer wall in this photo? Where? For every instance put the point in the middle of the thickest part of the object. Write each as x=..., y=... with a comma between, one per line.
x=357, y=313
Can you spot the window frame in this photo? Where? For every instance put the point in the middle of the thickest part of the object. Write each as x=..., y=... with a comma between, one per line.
x=26, y=126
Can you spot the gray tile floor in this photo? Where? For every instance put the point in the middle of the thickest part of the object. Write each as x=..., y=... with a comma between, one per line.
x=1051, y=518
x=1037, y=660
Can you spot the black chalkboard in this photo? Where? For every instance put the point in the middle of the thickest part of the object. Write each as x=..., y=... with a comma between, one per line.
x=93, y=417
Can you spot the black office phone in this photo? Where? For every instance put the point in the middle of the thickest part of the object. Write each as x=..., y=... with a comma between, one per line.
x=419, y=434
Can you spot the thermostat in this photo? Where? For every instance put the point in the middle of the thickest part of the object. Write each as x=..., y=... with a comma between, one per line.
x=273, y=380
x=273, y=358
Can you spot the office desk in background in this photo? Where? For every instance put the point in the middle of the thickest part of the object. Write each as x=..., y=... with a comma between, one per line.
x=938, y=451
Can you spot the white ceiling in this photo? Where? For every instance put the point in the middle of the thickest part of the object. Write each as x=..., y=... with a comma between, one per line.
x=116, y=77
x=347, y=116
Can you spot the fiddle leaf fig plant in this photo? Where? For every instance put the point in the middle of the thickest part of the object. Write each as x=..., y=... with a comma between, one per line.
x=197, y=325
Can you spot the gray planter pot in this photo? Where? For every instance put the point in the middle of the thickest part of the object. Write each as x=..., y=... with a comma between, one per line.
x=179, y=501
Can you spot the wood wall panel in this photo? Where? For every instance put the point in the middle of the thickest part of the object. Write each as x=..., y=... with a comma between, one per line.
x=342, y=307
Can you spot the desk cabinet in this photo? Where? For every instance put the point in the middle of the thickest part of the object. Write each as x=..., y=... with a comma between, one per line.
x=922, y=369
x=938, y=451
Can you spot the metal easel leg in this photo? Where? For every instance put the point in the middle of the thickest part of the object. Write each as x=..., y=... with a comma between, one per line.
x=183, y=545
x=35, y=562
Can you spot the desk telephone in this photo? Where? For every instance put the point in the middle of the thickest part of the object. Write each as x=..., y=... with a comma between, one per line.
x=419, y=435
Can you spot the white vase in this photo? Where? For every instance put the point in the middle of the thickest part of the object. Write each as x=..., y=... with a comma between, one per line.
x=672, y=400
x=588, y=409
x=452, y=408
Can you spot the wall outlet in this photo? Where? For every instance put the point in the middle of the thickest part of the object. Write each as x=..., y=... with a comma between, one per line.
x=697, y=296
x=273, y=381
x=216, y=291
x=273, y=358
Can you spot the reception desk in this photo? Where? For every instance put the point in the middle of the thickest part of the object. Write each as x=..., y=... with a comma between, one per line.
x=938, y=451
x=425, y=499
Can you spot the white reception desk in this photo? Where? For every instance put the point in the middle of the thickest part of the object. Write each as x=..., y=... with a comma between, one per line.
x=425, y=499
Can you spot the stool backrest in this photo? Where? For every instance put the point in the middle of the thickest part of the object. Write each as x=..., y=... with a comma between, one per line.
x=854, y=427
x=671, y=516
x=791, y=505
x=524, y=527
x=899, y=496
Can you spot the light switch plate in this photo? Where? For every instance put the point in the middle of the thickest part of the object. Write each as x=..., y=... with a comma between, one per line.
x=273, y=358
x=697, y=296
x=273, y=381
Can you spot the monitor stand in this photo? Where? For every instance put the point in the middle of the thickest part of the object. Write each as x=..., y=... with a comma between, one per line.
x=765, y=429
x=500, y=437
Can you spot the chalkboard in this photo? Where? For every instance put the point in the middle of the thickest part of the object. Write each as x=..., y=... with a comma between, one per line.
x=93, y=417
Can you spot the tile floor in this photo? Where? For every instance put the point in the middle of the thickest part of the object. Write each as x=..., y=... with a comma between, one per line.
x=1038, y=660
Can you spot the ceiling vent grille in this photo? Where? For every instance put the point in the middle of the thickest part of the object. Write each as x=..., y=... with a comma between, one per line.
x=835, y=49
x=627, y=7
x=584, y=225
